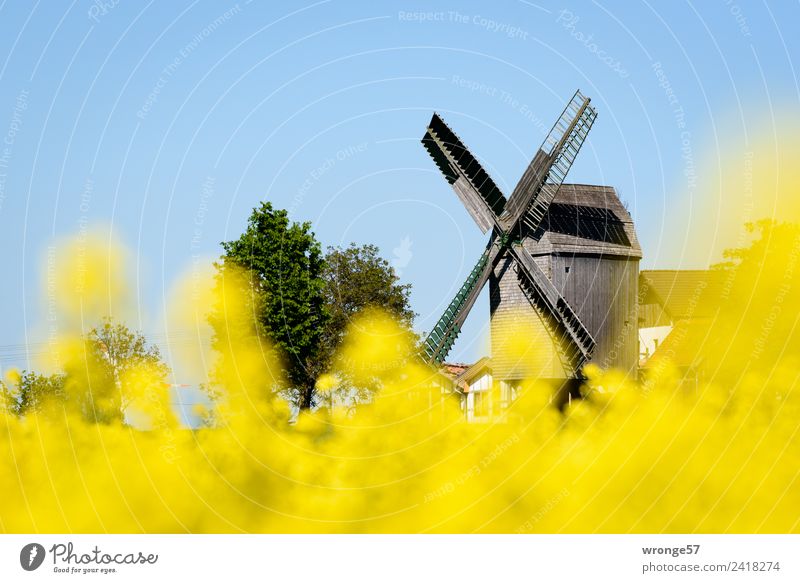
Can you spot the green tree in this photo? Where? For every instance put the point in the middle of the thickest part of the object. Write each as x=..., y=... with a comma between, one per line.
x=32, y=392
x=286, y=264
x=119, y=350
x=103, y=380
x=98, y=378
x=301, y=301
x=357, y=277
x=756, y=305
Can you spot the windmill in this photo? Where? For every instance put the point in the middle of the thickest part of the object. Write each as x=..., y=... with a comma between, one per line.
x=524, y=216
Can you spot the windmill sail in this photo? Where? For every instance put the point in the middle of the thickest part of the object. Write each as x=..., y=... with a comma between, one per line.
x=544, y=296
x=544, y=175
x=440, y=340
x=473, y=185
x=528, y=203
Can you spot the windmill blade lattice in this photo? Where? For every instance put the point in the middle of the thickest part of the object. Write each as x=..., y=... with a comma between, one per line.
x=473, y=185
x=444, y=334
x=540, y=183
x=574, y=338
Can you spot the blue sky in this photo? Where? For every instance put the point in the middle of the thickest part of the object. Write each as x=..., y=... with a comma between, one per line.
x=169, y=121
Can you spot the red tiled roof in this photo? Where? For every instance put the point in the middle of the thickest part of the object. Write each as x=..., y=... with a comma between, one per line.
x=454, y=369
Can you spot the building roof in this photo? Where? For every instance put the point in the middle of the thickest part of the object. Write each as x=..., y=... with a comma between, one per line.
x=585, y=218
x=463, y=374
x=467, y=376
x=683, y=294
x=683, y=346
x=454, y=369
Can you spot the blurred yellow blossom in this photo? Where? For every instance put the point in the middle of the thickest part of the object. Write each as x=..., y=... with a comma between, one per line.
x=628, y=457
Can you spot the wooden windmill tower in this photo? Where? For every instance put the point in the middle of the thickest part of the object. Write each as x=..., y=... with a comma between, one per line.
x=561, y=259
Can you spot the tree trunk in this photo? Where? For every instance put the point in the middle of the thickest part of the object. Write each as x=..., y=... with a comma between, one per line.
x=307, y=397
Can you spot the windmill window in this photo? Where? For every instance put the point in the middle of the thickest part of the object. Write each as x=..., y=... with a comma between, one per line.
x=586, y=222
x=566, y=269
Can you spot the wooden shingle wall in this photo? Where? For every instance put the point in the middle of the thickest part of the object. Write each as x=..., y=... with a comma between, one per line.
x=598, y=279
